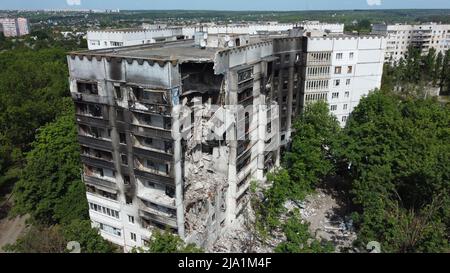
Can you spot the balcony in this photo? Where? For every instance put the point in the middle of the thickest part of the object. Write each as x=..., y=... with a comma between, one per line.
x=156, y=196
x=143, y=107
x=151, y=132
x=89, y=98
x=93, y=142
x=97, y=162
x=169, y=221
x=152, y=177
x=92, y=121
x=160, y=155
x=95, y=181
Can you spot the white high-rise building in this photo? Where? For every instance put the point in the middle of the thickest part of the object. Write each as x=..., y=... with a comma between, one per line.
x=341, y=70
x=13, y=27
x=148, y=34
x=425, y=36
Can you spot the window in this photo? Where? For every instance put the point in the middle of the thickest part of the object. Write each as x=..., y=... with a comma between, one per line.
x=126, y=180
x=245, y=75
x=337, y=82
x=104, y=210
x=128, y=199
x=351, y=55
x=170, y=191
x=116, y=43
x=111, y=230
x=333, y=107
x=87, y=88
x=347, y=82
x=345, y=107
x=118, y=92
x=347, y=94
x=123, y=138
x=124, y=158
x=131, y=219
x=119, y=114
x=286, y=58
x=349, y=69
x=335, y=95
x=344, y=118
x=148, y=141
x=337, y=70
x=338, y=56
x=133, y=236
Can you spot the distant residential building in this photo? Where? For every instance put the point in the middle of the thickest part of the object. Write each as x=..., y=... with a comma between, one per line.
x=424, y=37
x=148, y=34
x=341, y=70
x=13, y=27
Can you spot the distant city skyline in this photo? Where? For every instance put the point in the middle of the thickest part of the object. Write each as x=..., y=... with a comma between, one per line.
x=261, y=5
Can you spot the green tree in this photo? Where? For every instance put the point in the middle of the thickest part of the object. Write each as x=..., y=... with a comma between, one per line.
x=429, y=64
x=26, y=103
x=299, y=239
x=397, y=154
x=310, y=158
x=413, y=65
x=54, y=239
x=49, y=187
x=445, y=74
x=89, y=238
x=167, y=242
x=438, y=68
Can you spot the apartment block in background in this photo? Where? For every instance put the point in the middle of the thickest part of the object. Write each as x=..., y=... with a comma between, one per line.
x=14, y=27
x=109, y=38
x=341, y=70
x=424, y=37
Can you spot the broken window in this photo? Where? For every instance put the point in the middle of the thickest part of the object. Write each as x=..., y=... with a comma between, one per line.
x=244, y=95
x=126, y=180
x=245, y=75
x=118, y=92
x=124, y=159
x=122, y=138
x=87, y=88
x=128, y=200
x=170, y=191
x=119, y=114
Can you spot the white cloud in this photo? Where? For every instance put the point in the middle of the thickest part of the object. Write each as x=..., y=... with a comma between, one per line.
x=374, y=2
x=73, y=2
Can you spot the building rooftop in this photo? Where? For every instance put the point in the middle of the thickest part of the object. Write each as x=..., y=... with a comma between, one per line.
x=183, y=51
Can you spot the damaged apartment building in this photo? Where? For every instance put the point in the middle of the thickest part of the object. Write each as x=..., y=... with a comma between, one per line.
x=172, y=134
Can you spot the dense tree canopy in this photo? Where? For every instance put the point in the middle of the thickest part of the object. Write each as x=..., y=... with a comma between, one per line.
x=398, y=158
x=50, y=188
x=55, y=239
x=32, y=85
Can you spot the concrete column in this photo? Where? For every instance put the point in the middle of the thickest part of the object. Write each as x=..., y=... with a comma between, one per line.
x=177, y=155
x=231, y=91
x=289, y=101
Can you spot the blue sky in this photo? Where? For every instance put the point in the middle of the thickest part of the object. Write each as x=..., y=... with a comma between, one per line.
x=226, y=4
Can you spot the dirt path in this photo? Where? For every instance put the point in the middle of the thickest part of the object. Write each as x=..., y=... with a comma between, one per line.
x=11, y=229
